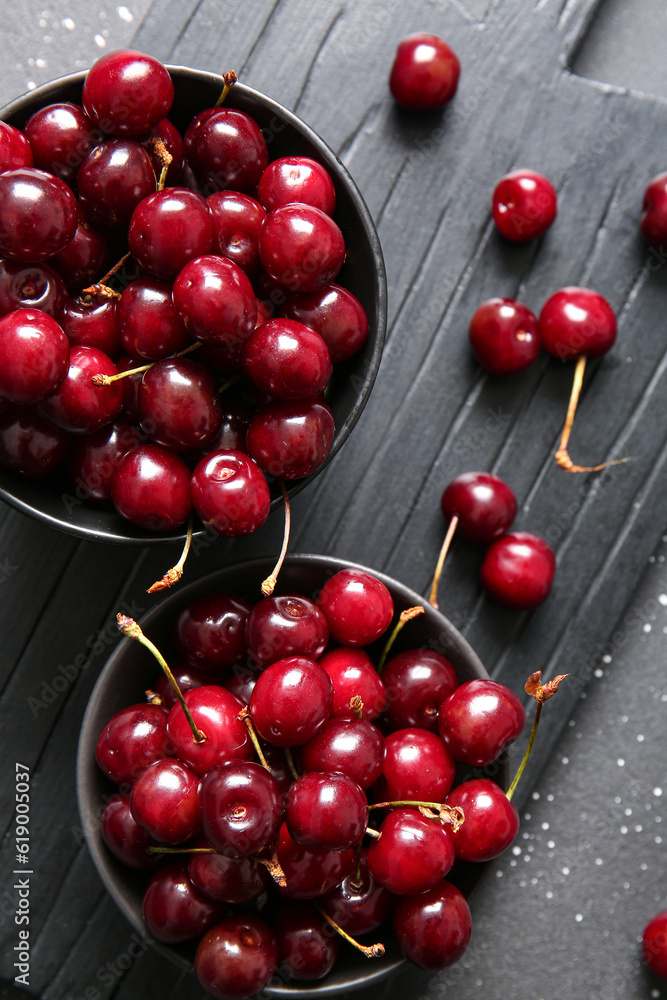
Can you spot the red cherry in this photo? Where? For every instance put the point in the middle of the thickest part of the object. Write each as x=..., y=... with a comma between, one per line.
x=296, y=179
x=124, y=837
x=216, y=301
x=417, y=682
x=654, y=944
x=114, y=178
x=127, y=92
x=38, y=214
x=653, y=222
x=287, y=360
x=359, y=906
x=92, y=323
x=518, y=570
x=301, y=248
x=241, y=808
x=15, y=149
x=479, y=720
x=174, y=909
x=215, y=712
x=327, y=811
x=31, y=286
x=577, y=321
x=290, y=440
x=151, y=488
x=168, y=230
x=237, y=220
x=131, y=740
x=169, y=135
x=227, y=880
x=95, y=457
x=417, y=766
x=165, y=801
x=524, y=205
x=354, y=747
x=309, y=871
x=337, y=316
x=85, y=256
x=504, y=337
x=178, y=404
x=230, y=493
x=306, y=945
x=291, y=701
x=358, y=607
x=491, y=820
x=78, y=406
x=285, y=626
x=226, y=149
x=61, y=136
x=148, y=324
x=352, y=674
x=484, y=504
x=210, y=632
x=425, y=73
x=28, y=443
x=433, y=930
x=34, y=356
x=236, y=959
x=412, y=853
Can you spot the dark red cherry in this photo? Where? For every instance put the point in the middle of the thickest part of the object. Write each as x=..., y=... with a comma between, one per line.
x=38, y=215
x=412, y=854
x=296, y=179
x=112, y=180
x=290, y=440
x=237, y=958
x=95, y=457
x=28, y=443
x=178, y=404
x=241, y=808
x=165, y=801
x=92, y=322
x=131, y=740
x=484, y=504
x=354, y=747
x=425, y=73
x=148, y=324
x=226, y=149
x=237, y=220
x=128, y=841
x=227, y=880
x=309, y=871
x=215, y=712
x=230, y=493
x=151, y=488
x=352, y=674
x=301, y=247
x=654, y=944
x=577, y=321
x=360, y=905
x=335, y=314
x=504, y=336
x=210, y=631
x=328, y=811
x=433, y=930
x=524, y=205
x=417, y=682
x=306, y=946
x=491, y=820
x=417, y=766
x=34, y=356
x=287, y=360
x=235, y=415
x=169, y=229
x=216, y=301
x=31, y=286
x=357, y=605
x=518, y=570
x=127, y=92
x=653, y=221
x=79, y=406
x=15, y=149
x=84, y=258
x=285, y=625
x=171, y=138
x=291, y=701
x=61, y=136
x=174, y=909
x=479, y=720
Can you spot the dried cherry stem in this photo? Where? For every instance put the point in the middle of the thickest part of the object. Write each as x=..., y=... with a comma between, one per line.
x=152, y=697
x=100, y=287
x=290, y=763
x=180, y=850
x=450, y=815
x=129, y=627
x=561, y=456
x=174, y=574
x=244, y=715
x=357, y=705
x=375, y=834
x=274, y=868
x=403, y=618
x=370, y=951
x=229, y=79
x=110, y=379
x=541, y=693
x=165, y=159
x=453, y=524
x=269, y=585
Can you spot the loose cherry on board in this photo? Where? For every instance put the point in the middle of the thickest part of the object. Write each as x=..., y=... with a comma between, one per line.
x=504, y=337
x=577, y=323
x=433, y=929
x=654, y=944
x=358, y=607
x=524, y=205
x=425, y=73
x=653, y=222
x=518, y=570
x=479, y=720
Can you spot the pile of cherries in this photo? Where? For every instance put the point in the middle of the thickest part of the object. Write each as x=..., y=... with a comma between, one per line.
x=211, y=235
x=307, y=788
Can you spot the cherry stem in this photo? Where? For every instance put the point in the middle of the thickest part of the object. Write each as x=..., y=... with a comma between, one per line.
x=269, y=585
x=165, y=159
x=174, y=574
x=152, y=697
x=244, y=715
x=229, y=79
x=180, y=850
x=100, y=287
x=451, y=815
x=129, y=627
x=522, y=766
x=274, y=868
x=541, y=693
x=370, y=951
x=404, y=617
x=453, y=524
x=561, y=456
x=375, y=834
x=357, y=705
x=110, y=379
x=229, y=383
x=290, y=763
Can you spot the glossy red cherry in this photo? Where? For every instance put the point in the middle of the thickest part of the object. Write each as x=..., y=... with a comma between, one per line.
x=353, y=674
x=31, y=286
x=95, y=457
x=151, y=488
x=291, y=701
x=654, y=944
x=127, y=92
x=241, y=807
x=92, y=323
x=210, y=631
x=148, y=324
x=328, y=811
x=230, y=493
x=484, y=504
x=215, y=712
x=479, y=720
x=433, y=930
x=131, y=740
x=168, y=229
x=296, y=179
x=128, y=841
x=360, y=905
x=337, y=316
x=15, y=149
x=38, y=214
x=412, y=853
x=504, y=336
x=301, y=248
x=425, y=73
x=28, y=443
x=358, y=607
x=306, y=946
x=34, y=356
x=174, y=909
x=309, y=871
x=354, y=747
x=285, y=625
x=78, y=406
x=61, y=136
x=417, y=682
x=237, y=958
x=165, y=801
x=290, y=440
x=653, y=221
x=227, y=880
x=216, y=301
x=84, y=258
x=237, y=220
x=524, y=205
x=577, y=321
x=113, y=179
x=178, y=404
x=417, y=766
x=518, y=570
x=226, y=149
x=287, y=360
x=491, y=820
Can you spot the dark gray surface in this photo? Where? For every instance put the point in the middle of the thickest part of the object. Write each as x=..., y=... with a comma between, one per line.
x=432, y=415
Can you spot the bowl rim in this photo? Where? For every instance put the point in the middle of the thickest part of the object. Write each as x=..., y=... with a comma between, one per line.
x=88, y=773
x=45, y=91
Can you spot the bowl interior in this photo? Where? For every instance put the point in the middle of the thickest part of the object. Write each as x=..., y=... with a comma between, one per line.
x=131, y=669
x=55, y=500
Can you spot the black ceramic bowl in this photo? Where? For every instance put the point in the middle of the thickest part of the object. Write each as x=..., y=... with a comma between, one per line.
x=54, y=500
x=131, y=669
